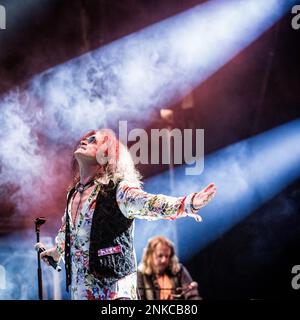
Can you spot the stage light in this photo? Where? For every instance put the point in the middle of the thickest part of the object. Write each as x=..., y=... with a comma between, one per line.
x=247, y=174
x=147, y=69
x=151, y=68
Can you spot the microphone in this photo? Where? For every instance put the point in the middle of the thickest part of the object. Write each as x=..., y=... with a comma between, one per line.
x=39, y=248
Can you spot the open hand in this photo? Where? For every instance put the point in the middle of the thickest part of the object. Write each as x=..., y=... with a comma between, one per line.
x=202, y=198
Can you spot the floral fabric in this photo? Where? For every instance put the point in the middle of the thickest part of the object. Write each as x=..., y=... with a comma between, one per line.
x=133, y=203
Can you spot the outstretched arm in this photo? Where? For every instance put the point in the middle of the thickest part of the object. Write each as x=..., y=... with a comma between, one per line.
x=136, y=203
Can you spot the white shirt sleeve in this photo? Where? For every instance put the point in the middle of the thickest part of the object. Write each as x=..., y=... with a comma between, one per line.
x=136, y=203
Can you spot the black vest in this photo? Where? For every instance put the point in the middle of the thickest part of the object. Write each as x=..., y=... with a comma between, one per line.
x=111, y=252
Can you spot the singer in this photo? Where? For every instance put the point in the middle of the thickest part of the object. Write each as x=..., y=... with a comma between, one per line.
x=161, y=276
x=96, y=236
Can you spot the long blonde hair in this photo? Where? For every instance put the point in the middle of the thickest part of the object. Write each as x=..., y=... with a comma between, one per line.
x=121, y=167
x=146, y=266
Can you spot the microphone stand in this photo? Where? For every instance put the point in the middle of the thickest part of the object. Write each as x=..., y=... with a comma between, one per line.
x=38, y=222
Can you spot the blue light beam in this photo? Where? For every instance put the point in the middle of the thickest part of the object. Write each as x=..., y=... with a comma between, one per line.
x=247, y=174
x=148, y=69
